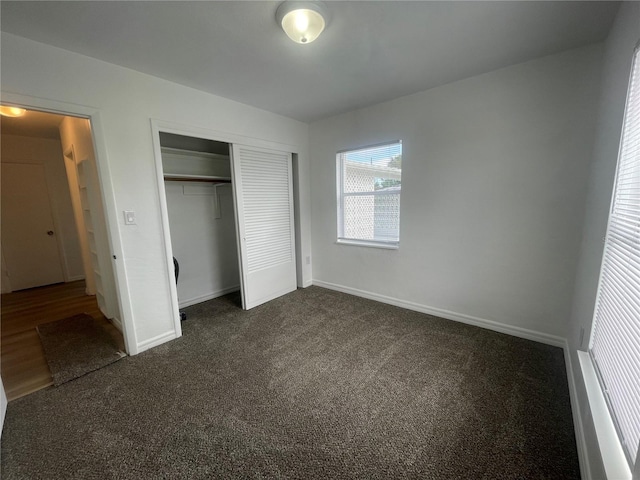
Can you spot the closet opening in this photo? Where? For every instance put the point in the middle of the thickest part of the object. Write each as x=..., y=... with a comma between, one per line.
x=202, y=225
x=228, y=215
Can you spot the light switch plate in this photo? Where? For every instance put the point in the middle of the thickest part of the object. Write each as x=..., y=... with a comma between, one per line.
x=129, y=217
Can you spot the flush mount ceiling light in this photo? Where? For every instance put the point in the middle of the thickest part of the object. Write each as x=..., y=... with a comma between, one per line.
x=11, y=111
x=303, y=22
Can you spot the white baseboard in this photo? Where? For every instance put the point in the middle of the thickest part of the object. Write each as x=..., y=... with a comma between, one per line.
x=155, y=341
x=581, y=443
x=74, y=278
x=520, y=332
x=165, y=337
x=208, y=296
x=116, y=323
x=307, y=284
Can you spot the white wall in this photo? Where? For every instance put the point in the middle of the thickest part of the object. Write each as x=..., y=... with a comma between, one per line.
x=205, y=246
x=495, y=170
x=618, y=52
x=67, y=138
x=75, y=135
x=126, y=101
x=48, y=152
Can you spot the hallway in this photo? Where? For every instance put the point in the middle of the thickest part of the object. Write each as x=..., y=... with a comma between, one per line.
x=23, y=365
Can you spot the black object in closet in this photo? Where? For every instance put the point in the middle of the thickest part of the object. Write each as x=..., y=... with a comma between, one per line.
x=176, y=268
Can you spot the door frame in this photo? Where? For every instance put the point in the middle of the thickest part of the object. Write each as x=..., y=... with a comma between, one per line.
x=107, y=196
x=164, y=126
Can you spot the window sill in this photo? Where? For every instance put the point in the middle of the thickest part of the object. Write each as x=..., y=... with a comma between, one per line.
x=613, y=457
x=363, y=243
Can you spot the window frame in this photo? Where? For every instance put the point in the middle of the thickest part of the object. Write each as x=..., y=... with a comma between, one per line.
x=340, y=238
x=632, y=458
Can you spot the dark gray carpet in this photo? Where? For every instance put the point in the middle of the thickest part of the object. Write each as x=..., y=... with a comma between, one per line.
x=75, y=346
x=316, y=384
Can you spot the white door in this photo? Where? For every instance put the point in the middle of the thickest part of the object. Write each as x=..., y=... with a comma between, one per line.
x=263, y=196
x=29, y=240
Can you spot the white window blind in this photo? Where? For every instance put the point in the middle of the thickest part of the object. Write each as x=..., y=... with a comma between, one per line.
x=615, y=345
x=369, y=188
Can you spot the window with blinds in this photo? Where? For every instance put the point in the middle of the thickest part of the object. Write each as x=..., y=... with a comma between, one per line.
x=369, y=187
x=615, y=344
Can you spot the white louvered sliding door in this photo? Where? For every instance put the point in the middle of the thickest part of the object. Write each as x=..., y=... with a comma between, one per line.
x=615, y=345
x=263, y=196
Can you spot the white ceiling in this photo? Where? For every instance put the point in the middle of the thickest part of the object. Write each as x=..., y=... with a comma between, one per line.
x=370, y=51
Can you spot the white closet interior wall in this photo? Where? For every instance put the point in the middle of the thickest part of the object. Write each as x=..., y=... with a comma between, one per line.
x=201, y=217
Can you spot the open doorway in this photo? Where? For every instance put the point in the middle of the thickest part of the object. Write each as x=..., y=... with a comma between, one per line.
x=55, y=253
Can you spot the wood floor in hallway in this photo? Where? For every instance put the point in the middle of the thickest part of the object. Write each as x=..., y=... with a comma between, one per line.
x=23, y=365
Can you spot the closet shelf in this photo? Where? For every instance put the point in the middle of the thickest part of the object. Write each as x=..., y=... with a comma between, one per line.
x=180, y=177
x=191, y=153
